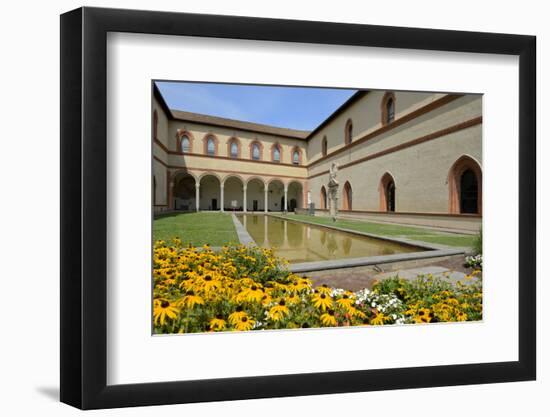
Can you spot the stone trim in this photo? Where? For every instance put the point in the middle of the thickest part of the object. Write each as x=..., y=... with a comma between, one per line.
x=293, y=150
x=451, y=129
x=462, y=164
x=278, y=146
x=242, y=233
x=397, y=122
x=180, y=133
x=261, y=147
x=234, y=139
x=386, y=179
x=347, y=200
x=205, y=143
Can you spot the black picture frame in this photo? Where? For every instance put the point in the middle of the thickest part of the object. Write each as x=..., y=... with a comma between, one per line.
x=84, y=207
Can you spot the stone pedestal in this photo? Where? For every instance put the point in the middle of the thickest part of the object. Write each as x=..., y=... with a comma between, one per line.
x=333, y=200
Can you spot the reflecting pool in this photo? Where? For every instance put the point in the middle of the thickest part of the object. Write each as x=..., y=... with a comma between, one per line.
x=300, y=242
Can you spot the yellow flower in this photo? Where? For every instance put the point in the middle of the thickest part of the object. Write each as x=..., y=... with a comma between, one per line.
x=191, y=299
x=245, y=323
x=423, y=316
x=279, y=311
x=379, y=319
x=236, y=316
x=322, y=301
x=217, y=323
x=461, y=316
x=252, y=294
x=163, y=309
x=328, y=318
x=324, y=289
x=346, y=302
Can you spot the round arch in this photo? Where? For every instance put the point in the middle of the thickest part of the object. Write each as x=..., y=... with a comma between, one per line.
x=347, y=196
x=255, y=194
x=387, y=192
x=233, y=192
x=295, y=195
x=260, y=146
x=183, y=191
x=275, y=194
x=465, y=186
x=210, y=192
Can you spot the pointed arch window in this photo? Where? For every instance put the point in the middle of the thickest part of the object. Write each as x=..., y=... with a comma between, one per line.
x=348, y=196
x=185, y=144
x=276, y=153
x=349, y=132
x=388, y=108
x=256, y=151
x=210, y=146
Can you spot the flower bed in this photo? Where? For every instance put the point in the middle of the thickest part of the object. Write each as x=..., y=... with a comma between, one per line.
x=247, y=288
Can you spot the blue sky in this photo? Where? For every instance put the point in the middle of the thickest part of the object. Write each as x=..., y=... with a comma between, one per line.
x=291, y=107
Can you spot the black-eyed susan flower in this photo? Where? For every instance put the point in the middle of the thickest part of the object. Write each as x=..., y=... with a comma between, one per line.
x=236, y=316
x=245, y=323
x=217, y=323
x=163, y=309
x=378, y=319
x=322, y=301
x=279, y=311
x=328, y=318
x=190, y=300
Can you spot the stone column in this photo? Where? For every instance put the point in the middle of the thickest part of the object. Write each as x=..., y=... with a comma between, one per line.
x=285, y=207
x=244, y=198
x=265, y=199
x=221, y=197
x=197, y=196
x=266, y=233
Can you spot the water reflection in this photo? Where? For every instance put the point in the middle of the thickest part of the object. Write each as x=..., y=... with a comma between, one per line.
x=299, y=242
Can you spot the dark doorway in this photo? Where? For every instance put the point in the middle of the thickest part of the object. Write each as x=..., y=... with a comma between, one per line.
x=468, y=192
x=214, y=204
x=283, y=203
x=292, y=204
x=254, y=205
x=390, y=193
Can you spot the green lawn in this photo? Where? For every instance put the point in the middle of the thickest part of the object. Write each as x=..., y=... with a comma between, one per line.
x=393, y=230
x=215, y=229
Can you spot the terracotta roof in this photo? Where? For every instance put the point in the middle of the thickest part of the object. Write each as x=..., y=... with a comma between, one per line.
x=238, y=124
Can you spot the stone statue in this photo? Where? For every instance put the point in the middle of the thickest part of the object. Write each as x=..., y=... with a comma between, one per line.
x=332, y=175
x=333, y=191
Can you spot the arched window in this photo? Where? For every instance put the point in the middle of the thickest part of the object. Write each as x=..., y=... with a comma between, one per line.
x=324, y=146
x=234, y=149
x=185, y=144
x=349, y=132
x=387, y=193
x=276, y=153
x=256, y=151
x=210, y=146
x=348, y=197
x=388, y=108
x=155, y=124
x=296, y=156
x=390, y=111
x=465, y=186
x=323, y=201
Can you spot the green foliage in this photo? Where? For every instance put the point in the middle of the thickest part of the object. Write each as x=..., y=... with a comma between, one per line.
x=478, y=243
